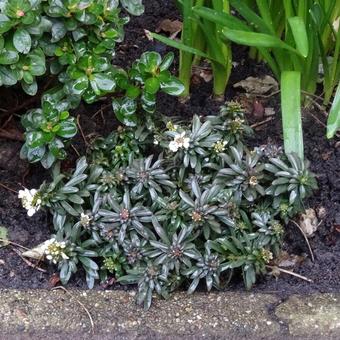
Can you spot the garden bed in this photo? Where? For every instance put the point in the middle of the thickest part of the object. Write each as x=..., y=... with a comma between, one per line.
x=324, y=157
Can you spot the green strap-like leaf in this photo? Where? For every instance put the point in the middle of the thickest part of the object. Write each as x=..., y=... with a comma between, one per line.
x=256, y=39
x=291, y=112
x=179, y=45
x=333, y=122
x=300, y=35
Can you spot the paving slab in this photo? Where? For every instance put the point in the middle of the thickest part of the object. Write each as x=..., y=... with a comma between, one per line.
x=42, y=314
x=315, y=315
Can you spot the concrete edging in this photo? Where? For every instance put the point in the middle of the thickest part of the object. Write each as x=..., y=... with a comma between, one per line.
x=39, y=313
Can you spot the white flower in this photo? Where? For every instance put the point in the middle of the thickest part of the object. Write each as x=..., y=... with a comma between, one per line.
x=85, y=220
x=179, y=142
x=30, y=200
x=182, y=141
x=173, y=146
x=54, y=250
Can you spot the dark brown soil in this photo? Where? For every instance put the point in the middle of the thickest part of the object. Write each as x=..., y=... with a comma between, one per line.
x=324, y=155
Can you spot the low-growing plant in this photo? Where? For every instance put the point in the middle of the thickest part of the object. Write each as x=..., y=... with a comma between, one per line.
x=192, y=205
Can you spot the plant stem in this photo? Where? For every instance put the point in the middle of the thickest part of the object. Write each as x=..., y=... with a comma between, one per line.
x=185, y=58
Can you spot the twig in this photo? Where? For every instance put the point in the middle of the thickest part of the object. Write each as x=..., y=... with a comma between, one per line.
x=104, y=107
x=30, y=264
x=13, y=243
x=80, y=303
x=6, y=122
x=312, y=95
x=306, y=239
x=317, y=119
x=81, y=130
x=261, y=123
x=321, y=108
x=7, y=188
x=13, y=136
x=75, y=150
x=290, y=273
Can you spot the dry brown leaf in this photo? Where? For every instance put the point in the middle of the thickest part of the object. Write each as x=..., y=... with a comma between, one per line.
x=258, y=109
x=286, y=260
x=204, y=73
x=54, y=280
x=169, y=26
x=309, y=222
x=255, y=85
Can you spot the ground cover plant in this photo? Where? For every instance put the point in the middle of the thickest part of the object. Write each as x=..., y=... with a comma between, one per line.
x=160, y=203
x=200, y=207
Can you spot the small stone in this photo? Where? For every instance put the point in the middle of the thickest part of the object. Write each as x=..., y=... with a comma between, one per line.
x=269, y=111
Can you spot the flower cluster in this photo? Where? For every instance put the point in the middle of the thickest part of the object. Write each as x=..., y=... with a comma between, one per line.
x=199, y=207
x=55, y=251
x=31, y=200
x=179, y=142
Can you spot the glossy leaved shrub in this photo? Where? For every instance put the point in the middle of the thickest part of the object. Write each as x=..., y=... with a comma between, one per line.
x=75, y=41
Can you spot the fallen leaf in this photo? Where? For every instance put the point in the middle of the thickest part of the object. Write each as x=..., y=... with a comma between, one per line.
x=246, y=102
x=286, y=260
x=204, y=73
x=109, y=282
x=4, y=237
x=169, y=26
x=258, y=109
x=54, y=280
x=309, y=222
x=36, y=252
x=256, y=85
